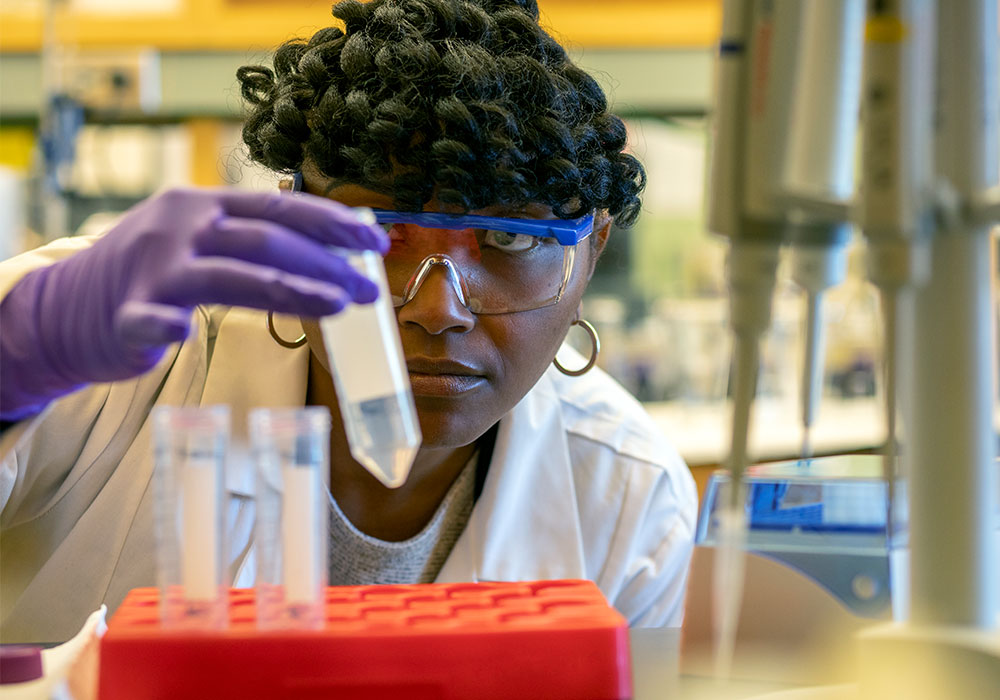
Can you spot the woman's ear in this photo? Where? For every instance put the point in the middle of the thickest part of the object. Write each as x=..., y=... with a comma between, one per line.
x=602, y=228
x=285, y=184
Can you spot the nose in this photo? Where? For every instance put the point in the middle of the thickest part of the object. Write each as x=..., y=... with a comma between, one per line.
x=436, y=301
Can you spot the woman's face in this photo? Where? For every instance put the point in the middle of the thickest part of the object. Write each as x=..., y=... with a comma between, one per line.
x=468, y=370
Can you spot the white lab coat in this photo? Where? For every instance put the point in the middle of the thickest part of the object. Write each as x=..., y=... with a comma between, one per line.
x=581, y=484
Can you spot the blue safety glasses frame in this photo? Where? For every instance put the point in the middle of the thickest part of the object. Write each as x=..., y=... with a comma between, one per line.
x=492, y=281
x=566, y=231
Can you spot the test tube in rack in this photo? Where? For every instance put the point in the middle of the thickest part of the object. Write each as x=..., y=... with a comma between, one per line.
x=190, y=447
x=291, y=448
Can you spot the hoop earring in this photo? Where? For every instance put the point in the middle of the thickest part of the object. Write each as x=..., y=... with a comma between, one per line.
x=269, y=322
x=595, y=341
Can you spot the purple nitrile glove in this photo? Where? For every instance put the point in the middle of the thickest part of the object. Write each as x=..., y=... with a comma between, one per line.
x=108, y=312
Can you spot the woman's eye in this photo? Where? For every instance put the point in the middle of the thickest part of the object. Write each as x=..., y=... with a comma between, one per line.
x=509, y=242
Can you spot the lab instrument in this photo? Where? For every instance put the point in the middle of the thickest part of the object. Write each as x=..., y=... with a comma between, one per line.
x=476, y=641
x=895, y=187
x=930, y=81
x=724, y=216
x=756, y=60
x=190, y=449
x=817, y=182
x=370, y=376
x=291, y=450
x=825, y=518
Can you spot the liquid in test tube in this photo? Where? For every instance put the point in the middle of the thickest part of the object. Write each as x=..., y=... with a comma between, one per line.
x=190, y=447
x=198, y=511
x=291, y=448
x=369, y=373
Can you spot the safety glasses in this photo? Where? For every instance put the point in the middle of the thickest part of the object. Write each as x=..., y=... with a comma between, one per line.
x=567, y=232
x=494, y=265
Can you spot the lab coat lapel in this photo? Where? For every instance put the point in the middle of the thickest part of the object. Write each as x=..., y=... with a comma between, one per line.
x=525, y=525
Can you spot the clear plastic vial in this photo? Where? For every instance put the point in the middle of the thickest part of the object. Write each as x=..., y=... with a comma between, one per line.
x=190, y=446
x=369, y=373
x=291, y=448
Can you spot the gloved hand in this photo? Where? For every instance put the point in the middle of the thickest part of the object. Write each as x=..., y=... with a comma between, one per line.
x=108, y=312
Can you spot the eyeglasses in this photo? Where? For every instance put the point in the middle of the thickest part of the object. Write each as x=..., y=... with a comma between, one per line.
x=495, y=265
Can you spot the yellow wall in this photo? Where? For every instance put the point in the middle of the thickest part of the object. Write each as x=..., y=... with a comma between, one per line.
x=17, y=145
x=242, y=24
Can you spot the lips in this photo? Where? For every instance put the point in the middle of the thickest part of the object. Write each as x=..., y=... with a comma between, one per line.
x=443, y=377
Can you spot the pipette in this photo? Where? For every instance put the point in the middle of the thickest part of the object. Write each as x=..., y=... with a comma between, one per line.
x=948, y=357
x=896, y=183
x=724, y=211
x=745, y=162
x=369, y=373
x=291, y=451
x=815, y=268
x=818, y=176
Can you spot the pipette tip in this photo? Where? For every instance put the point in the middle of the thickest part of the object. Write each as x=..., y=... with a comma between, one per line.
x=806, y=453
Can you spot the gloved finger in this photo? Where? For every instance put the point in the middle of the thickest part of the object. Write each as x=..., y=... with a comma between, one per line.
x=317, y=217
x=273, y=245
x=141, y=323
x=238, y=283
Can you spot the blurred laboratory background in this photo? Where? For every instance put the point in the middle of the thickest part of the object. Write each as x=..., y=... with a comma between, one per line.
x=103, y=102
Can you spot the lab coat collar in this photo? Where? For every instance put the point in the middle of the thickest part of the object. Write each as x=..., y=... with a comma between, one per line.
x=256, y=372
x=509, y=537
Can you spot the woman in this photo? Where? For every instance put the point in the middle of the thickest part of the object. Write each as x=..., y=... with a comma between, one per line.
x=416, y=108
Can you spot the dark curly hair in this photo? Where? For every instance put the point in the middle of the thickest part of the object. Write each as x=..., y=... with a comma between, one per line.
x=468, y=100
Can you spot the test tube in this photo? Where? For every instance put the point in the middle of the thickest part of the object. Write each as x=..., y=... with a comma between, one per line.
x=190, y=446
x=292, y=451
x=369, y=373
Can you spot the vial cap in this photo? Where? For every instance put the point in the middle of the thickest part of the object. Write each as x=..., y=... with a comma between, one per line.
x=20, y=663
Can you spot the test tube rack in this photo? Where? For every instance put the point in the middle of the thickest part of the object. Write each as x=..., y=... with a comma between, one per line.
x=542, y=639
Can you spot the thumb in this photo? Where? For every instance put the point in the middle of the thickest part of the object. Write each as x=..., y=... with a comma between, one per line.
x=145, y=325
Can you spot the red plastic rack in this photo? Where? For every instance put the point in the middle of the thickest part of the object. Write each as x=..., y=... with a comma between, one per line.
x=465, y=641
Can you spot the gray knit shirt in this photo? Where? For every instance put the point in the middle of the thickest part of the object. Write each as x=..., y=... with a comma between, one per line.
x=357, y=558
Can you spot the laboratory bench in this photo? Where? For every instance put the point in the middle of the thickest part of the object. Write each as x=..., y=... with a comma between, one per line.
x=700, y=429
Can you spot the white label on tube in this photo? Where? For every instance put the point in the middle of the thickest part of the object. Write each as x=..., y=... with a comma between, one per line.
x=363, y=341
x=300, y=533
x=199, y=530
